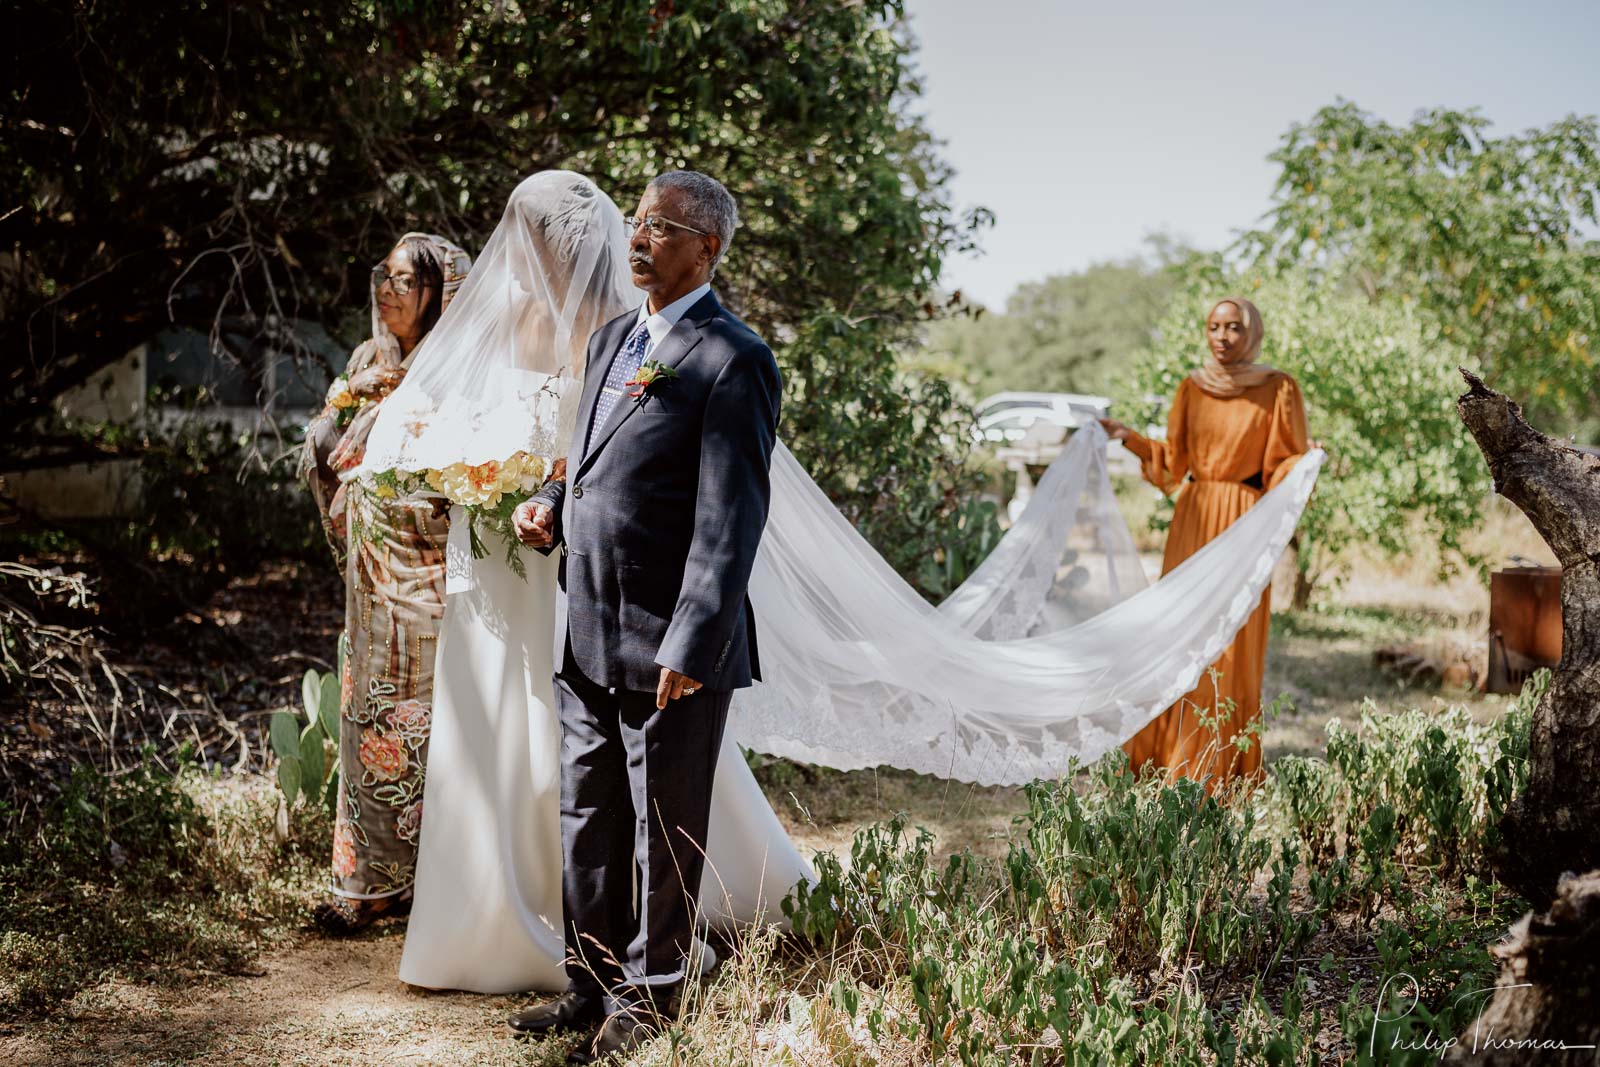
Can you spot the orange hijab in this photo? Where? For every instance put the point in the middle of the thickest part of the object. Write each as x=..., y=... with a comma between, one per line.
x=1221, y=379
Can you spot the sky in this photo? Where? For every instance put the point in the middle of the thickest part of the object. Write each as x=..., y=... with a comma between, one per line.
x=1085, y=130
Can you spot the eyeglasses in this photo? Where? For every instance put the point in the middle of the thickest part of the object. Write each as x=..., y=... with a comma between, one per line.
x=402, y=284
x=658, y=226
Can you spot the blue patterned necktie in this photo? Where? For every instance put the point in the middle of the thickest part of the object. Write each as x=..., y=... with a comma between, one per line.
x=623, y=368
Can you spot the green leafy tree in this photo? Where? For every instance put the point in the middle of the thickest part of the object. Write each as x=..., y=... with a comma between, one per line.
x=1068, y=333
x=1391, y=256
x=236, y=169
x=1491, y=238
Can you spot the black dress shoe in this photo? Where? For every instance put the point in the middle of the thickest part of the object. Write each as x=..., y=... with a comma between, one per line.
x=570, y=1012
x=624, y=1030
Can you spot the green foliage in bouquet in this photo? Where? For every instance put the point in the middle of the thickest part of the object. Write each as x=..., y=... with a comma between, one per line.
x=497, y=517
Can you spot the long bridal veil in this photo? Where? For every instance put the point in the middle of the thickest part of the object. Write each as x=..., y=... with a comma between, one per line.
x=1055, y=648
x=487, y=381
x=487, y=914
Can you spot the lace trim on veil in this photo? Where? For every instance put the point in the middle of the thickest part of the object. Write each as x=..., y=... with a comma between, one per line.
x=847, y=723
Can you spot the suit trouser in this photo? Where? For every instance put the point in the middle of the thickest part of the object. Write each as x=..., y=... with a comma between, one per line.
x=635, y=800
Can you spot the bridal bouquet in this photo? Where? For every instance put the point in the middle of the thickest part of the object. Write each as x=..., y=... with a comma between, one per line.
x=487, y=492
x=422, y=445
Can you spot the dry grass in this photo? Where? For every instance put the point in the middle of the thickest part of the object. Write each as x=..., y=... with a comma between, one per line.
x=1321, y=659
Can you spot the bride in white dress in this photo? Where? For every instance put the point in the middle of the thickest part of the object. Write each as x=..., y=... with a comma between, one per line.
x=487, y=909
x=1053, y=651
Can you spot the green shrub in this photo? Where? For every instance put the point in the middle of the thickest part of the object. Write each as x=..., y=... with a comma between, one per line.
x=155, y=873
x=212, y=504
x=1419, y=789
x=222, y=498
x=1153, y=872
x=1086, y=929
x=1142, y=922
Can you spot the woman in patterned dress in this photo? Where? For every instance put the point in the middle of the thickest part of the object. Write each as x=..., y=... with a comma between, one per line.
x=392, y=554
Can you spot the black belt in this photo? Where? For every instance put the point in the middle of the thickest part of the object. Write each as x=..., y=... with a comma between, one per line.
x=1254, y=481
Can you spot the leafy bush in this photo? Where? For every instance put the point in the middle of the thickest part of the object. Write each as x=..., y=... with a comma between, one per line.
x=1490, y=238
x=1391, y=256
x=891, y=447
x=221, y=499
x=1087, y=929
x=1418, y=788
x=156, y=873
x=212, y=504
x=1150, y=872
x=1379, y=381
x=1088, y=942
x=803, y=108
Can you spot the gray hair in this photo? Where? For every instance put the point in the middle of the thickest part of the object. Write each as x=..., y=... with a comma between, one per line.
x=707, y=205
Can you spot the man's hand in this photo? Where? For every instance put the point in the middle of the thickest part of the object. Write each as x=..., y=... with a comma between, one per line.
x=672, y=686
x=534, y=523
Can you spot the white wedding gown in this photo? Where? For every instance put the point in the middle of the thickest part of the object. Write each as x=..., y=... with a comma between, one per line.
x=487, y=910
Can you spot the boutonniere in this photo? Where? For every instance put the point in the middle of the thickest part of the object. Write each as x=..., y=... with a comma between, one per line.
x=650, y=372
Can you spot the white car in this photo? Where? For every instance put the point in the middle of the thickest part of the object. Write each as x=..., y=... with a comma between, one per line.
x=1036, y=418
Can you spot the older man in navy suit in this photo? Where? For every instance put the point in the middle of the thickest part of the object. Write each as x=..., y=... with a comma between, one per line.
x=658, y=521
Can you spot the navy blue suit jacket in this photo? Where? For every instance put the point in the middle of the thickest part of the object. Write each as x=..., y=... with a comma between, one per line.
x=663, y=507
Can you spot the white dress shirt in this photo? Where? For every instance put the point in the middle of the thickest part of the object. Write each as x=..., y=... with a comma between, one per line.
x=661, y=323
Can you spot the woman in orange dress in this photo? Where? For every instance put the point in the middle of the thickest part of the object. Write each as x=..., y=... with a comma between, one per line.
x=1236, y=428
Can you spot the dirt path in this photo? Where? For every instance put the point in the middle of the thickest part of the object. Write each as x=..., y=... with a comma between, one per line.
x=317, y=1003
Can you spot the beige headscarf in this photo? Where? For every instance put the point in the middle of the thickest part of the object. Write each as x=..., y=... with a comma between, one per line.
x=454, y=263
x=1221, y=379
x=344, y=449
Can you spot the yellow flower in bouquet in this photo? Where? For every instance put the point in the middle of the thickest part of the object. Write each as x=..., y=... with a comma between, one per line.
x=342, y=402
x=484, y=484
x=339, y=394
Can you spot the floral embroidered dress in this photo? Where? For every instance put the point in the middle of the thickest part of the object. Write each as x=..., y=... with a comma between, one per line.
x=392, y=554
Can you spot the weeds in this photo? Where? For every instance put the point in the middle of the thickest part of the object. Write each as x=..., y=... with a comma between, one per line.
x=148, y=874
x=1125, y=920
x=1150, y=922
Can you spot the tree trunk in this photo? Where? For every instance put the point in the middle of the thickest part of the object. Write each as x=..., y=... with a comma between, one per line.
x=1302, y=590
x=1303, y=581
x=1554, y=826
x=1546, y=1005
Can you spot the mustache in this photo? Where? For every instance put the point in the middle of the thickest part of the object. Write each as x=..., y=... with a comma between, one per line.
x=641, y=259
